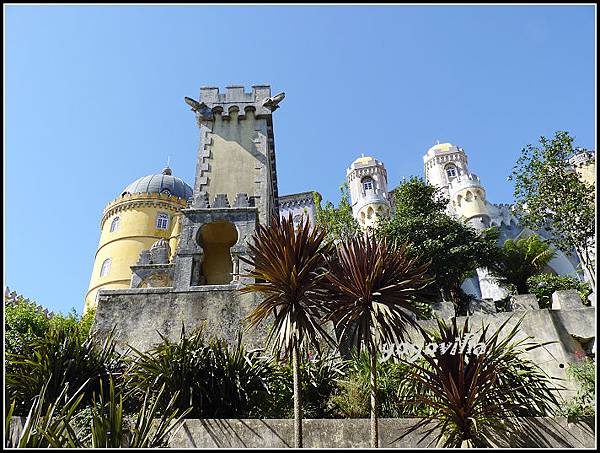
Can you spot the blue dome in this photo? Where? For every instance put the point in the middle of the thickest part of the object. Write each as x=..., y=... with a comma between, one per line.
x=161, y=183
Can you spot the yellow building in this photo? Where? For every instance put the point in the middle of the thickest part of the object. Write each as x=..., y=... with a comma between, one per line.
x=146, y=211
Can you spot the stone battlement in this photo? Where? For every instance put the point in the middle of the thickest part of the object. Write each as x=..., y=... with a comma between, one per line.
x=236, y=99
x=463, y=182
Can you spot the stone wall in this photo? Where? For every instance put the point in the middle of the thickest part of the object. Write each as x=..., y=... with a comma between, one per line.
x=140, y=314
x=542, y=432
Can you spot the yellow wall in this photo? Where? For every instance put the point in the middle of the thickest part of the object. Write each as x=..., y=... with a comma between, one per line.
x=136, y=232
x=471, y=208
x=232, y=161
x=370, y=214
x=217, y=238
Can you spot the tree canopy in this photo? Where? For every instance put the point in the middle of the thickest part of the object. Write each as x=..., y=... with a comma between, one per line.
x=550, y=196
x=454, y=249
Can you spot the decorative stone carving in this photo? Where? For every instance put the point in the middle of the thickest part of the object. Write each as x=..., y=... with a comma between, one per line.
x=241, y=200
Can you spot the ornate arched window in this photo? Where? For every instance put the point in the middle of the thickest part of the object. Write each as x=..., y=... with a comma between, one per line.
x=114, y=225
x=105, y=269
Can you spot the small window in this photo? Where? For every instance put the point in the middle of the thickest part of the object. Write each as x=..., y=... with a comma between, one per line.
x=367, y=184
x=162, y=221
x=114, y=225
x=105, y=269
x=451, y=171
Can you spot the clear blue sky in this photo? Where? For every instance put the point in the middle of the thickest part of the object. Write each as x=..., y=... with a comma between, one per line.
x=94, y=100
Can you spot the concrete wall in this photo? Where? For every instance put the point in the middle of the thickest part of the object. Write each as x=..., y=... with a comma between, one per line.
x=354, y=433
x=540, y=432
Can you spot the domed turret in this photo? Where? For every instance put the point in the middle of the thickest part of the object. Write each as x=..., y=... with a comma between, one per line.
x=164, y=183
x=146, y=214
x=367, y=180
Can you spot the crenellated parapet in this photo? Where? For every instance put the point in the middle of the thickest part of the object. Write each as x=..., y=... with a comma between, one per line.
x=462, y=182
x=236, y=102
x=138, y=200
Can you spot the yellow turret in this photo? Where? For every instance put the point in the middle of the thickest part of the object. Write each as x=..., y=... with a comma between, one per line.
x=147, y=210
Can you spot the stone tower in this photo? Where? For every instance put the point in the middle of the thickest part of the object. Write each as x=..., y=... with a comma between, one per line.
x=235, y=186
x=446, y=167
x=192, y=275
x=367, y=181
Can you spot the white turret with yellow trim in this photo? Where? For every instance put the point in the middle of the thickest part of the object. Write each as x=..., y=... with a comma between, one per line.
x=147, y=210
x=367, y=181
x=446, y=167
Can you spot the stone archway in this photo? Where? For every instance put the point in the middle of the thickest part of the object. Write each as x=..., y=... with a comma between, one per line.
x=217, y=238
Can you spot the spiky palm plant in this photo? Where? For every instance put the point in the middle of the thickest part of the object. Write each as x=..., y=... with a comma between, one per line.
x=287, y=265
x=476, y=392
x=61, y=357
x=372, y=289
x=520, y=259
x=209, y=376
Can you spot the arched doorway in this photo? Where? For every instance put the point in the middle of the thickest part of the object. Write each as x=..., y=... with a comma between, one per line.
x=216, y=238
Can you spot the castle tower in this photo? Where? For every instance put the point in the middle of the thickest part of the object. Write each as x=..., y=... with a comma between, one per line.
x=446, y=167
x=146, y=211
x=235, y=187
x=367, y=181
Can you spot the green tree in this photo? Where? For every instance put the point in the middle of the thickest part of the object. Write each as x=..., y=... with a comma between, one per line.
x=550, y=195
x=339, y=223
x=454, y=249
x=371, y=290
x=23, y=323
x=287, y=267
x=520, y=259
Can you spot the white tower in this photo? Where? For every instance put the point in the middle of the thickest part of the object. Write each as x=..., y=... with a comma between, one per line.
x=367, y=180
x=446, y=167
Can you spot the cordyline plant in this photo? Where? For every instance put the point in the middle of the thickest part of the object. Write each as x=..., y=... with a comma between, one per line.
x=287, y=264
x=371, y=294
x=475, y=394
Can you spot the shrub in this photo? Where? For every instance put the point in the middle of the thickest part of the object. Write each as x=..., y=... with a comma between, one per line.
x=544, y=285
x=583, y=404
x=62, y=356
x=212, y=378
x=352, y=396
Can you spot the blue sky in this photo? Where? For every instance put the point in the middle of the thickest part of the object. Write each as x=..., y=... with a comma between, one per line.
x=94, y=100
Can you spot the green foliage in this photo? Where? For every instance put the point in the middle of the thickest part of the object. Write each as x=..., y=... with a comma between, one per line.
x=62, y=356
x=520, y=259
x=550, y=196
x=208, y=376
x=319, y=381
x=544, y=285
x=23, y=323
x=339, y=223
x=583, y=373
x=472, y=393
x=59, y=424
x=454, y=249
x=352, y=395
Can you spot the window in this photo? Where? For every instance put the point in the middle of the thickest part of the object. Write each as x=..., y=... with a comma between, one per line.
x=367, y=184
x=451, y=171
x=114, y=224
x=105, y=267
x=162, y=221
